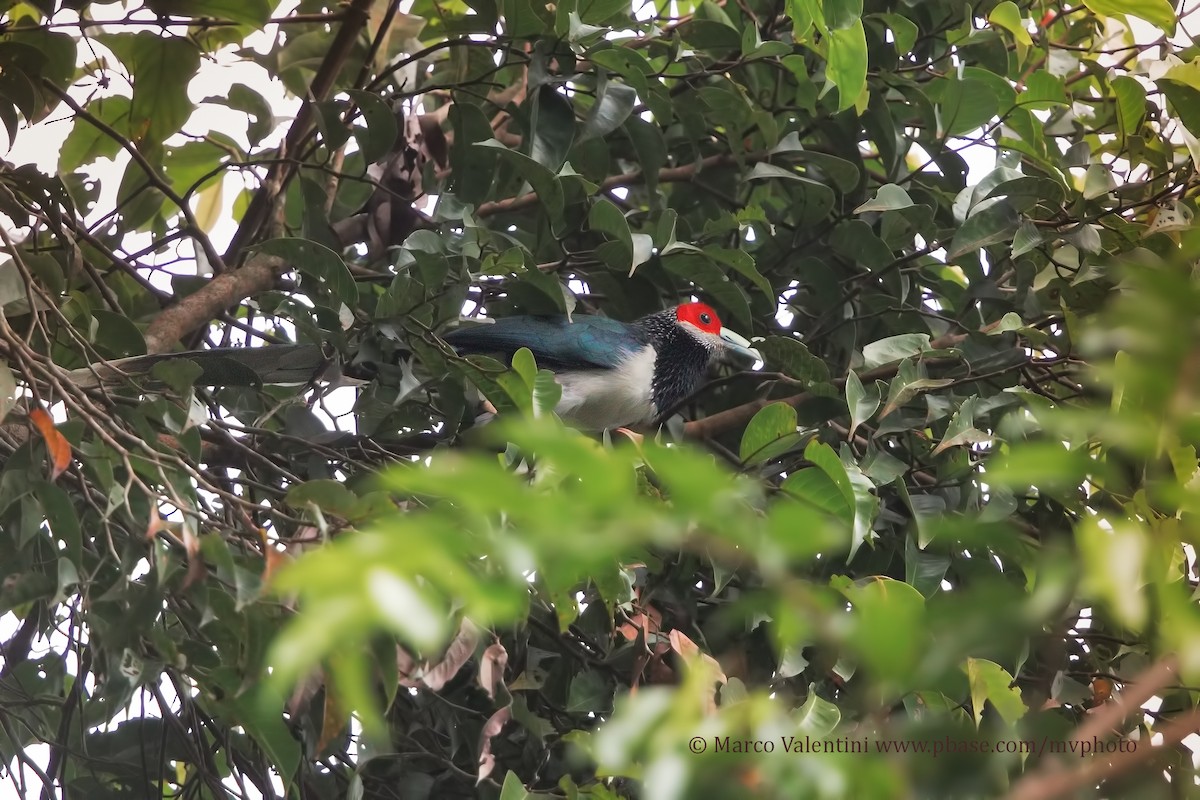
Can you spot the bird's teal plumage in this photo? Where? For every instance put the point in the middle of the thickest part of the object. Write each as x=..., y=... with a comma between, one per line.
x=586, y=342
x=612, y=373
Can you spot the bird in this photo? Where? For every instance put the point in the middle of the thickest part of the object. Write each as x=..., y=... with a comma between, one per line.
x=613, y=374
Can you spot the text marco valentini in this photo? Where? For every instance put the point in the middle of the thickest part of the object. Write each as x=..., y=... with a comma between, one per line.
x=790, y=744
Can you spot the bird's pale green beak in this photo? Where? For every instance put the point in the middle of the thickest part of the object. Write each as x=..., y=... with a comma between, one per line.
x=738, y=350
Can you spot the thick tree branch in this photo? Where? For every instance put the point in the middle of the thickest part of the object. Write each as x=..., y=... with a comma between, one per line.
x=258, y=275
x=357, y=15
x=260, y=272
x=201, y=306
x=1052, y=779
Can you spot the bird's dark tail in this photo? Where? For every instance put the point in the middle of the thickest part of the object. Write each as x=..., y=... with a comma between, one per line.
x=221, y=366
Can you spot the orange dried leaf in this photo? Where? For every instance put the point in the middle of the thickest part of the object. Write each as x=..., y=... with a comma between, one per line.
x=273, y=562
x=57, y=445
x=333, y=722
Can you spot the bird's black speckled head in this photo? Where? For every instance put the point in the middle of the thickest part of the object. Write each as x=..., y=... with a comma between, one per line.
x=682, y=358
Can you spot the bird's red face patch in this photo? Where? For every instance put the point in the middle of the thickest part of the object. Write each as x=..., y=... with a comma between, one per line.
x=701, y=315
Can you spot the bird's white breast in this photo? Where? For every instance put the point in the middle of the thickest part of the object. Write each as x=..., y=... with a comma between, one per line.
x=609, y=398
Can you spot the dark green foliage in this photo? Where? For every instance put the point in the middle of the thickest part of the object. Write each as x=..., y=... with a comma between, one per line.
x=957, y=507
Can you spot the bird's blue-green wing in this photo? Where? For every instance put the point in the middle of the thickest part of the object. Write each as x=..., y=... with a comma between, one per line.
x=587, y=342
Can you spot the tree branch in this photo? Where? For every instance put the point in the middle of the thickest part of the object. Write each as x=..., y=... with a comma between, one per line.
x=736, y=417
x=198, y=308
x=357, y=15
x=152, y=175
x=665, y=175
x=1052, y=779
x=260, y=272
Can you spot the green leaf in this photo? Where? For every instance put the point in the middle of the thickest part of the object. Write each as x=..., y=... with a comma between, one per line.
x=991, y=683
x=1114, y=556
x=889, y=618
x=62, y=519
x=1047, y=465
x=743, y=262
x=764, y=171
x=1131, y=104
x=839, y=14
x=521, y=20
x=924, y=570
x=962, y=428
x=85, y=143
x=649, y=147
x=253, y=13
x=318, y=261
x=890, y=197
x=709, y=35
x=600, y=11
x=328, y=495
x=589, y=693
x=966, y=106
x=894, y=348
x=860, y=401
x=544, y=182
x=1181, y=85
x=1098, y=181
x=1043, y=91
x=8, y=391
x=910, y=380
x=552, y=121
x=991, y=225
x=381, y=131
x=117, y=335
x=1157, y=12
x=904, y=31
x=817, y=717
x=814, y=487
x=614, y=103
x=1026, y=239
x=847, y=65
x=260, y=711
x=793, y=358
x=161, y=68
x=772, y=423
x=606, y=217
x=260, y=117
x=866, y=503
x=1025, y=192
x=1008, y=16
x=524, y=365
x=856, y=488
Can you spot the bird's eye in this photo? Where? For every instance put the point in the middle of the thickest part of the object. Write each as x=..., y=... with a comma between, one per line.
x=705, y=319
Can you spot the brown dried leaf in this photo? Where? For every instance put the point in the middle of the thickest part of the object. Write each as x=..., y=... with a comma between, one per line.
x=406, y=665
x=491, y=668
x=433, y=138
x=692, y=654
x=457, y=654
x=304, y=692
x=196, y=570
x=495, y=724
